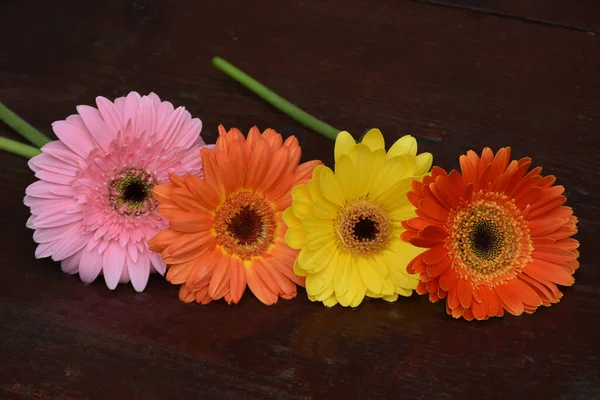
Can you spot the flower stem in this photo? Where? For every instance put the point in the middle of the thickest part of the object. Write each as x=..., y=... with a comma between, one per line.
x=21, y=127
x=19, y=149
x=275, y=100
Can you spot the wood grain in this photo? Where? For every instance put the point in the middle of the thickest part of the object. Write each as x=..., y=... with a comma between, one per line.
x=581, y=15
x=469, y=79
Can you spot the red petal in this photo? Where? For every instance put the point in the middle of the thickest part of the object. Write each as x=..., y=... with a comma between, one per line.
x=439, y=268
x=434, y=255
x=448, y=280
x=545, y=271
x=452, y=300
x=510, y=298
x=433, y=209
x=465, y=294
x=543, y=227
x=526, y=293
x=546, y=208
x=479, y=311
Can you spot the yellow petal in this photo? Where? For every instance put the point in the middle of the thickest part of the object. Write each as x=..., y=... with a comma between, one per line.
x=374, y=139
x=330, y=301
x=402, y=212
x=325, y=209
x=295, y=238
x=362, y=158
x=291, y=220
x=315, y=260
x=404, y=292
x=297, y=269
x=314, y=185
x=312, y=223
x=388, y=175
x=360, y=291
x=317, y=239
x=403, y=252
x=405, y=145
x=424, y=162
x=369, y=276
x=347, y=175
x=391, y=298
x=395, y=195
x=320, y=282
x=301, y=193
x=331, y=188
x=343, y=143
x=342, y=275
x=354, y=283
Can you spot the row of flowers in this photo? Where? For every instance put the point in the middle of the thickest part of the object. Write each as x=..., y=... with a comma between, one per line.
x=130, y=189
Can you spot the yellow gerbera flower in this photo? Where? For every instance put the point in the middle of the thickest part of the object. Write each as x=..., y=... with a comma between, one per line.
x=347, y=223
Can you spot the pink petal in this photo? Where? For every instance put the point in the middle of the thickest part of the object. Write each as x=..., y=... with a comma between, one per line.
x=131, y=104
x=145, y=119
x=113, y=263
x=139, y=272
x=98, y=129
x=70, y=265
x=71, y=242
x=90, y=265
x=43, y=189
x=77, y=139
x=110, y=114
x=124, y=274
x=188, y=133
x=47, y=235
x=157, y=262
x=54, y=177
x=45, y=250
x=62, y=152
x=54, y=220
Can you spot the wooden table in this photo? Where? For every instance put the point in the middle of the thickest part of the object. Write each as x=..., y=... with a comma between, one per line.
x=467, y=73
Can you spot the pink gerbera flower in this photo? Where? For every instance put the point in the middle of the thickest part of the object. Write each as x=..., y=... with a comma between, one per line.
x=92, y=208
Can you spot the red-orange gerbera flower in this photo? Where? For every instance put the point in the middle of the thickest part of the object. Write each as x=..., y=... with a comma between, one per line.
x=225, y=230
x=499, y=237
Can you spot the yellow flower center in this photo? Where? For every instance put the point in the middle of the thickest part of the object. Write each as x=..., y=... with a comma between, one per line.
x=362, y=228
x=488, y=240
x=245, y=225
x=130, y=192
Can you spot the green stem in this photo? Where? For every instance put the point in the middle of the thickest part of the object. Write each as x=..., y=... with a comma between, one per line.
x=275, y=100
x=21, y=127
x=17, y=148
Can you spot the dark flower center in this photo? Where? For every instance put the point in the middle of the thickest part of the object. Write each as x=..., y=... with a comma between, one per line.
x=135, y=191
x=487, y=239
x=130, y=193
x=366, y=229
x=245, y=226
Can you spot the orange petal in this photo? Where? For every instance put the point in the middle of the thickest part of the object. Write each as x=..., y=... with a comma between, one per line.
x=192, y=222
x=259, y=287
x=202, y=191
x=237, y=282
x=163, y=239
x=219, y=282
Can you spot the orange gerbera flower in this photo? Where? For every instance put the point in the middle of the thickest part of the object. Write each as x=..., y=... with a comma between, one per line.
x=226, y=229
x=499, y=238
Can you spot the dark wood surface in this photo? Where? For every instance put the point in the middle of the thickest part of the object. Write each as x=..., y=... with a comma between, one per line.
x=467, y=77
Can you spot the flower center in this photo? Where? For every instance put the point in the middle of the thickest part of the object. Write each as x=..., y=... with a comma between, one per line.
x=362, y=228
x=488, y=240
x=245, y=225
x=130, y=192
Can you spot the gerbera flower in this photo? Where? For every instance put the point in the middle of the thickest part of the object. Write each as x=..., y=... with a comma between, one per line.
x=92, y=208
x=226, y=230
x=499, y=237
x=347, y=223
